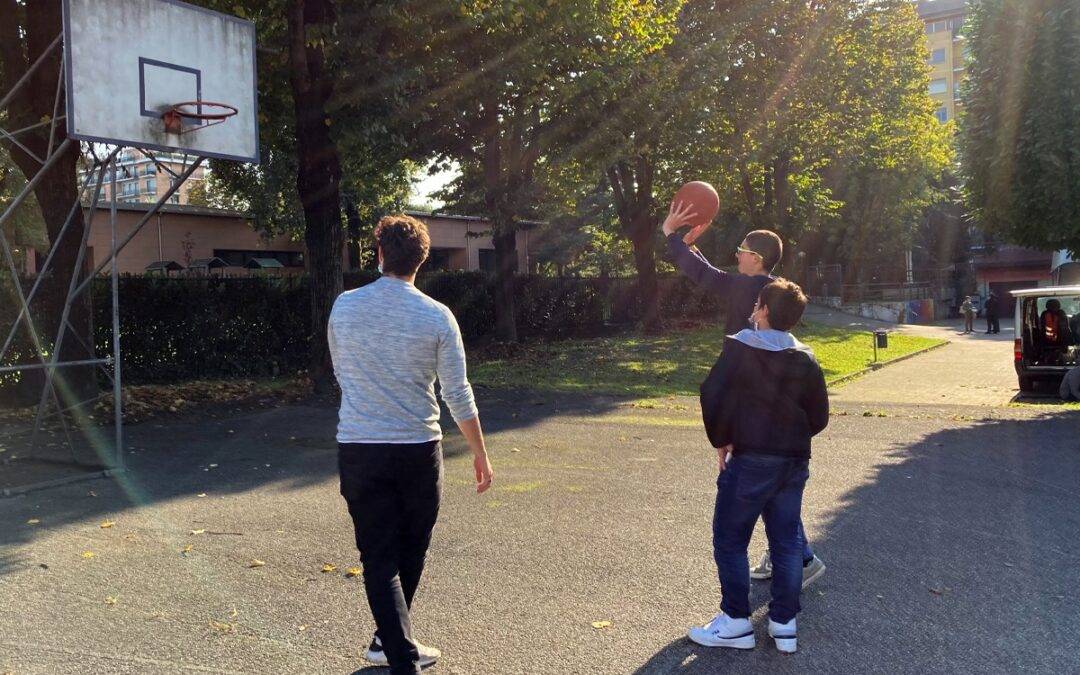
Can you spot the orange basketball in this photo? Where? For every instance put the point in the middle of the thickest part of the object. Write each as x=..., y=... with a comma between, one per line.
x=704, y=202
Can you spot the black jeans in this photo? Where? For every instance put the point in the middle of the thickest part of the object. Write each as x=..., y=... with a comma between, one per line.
x=393, y=491
x=992, y=324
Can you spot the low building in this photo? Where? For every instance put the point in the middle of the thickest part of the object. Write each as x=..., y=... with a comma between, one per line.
x=187, y=236
x=1008, y=268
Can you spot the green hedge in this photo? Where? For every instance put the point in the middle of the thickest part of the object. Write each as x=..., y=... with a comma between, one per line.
x=188, y=328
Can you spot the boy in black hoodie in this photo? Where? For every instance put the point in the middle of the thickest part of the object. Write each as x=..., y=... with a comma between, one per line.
x=761, y=403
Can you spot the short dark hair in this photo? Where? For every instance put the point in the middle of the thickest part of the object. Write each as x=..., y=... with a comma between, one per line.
x=404, y=242
x=786, y=303
x=766, y=244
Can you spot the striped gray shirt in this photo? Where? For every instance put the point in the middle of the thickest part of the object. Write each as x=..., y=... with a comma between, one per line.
x=388, y=342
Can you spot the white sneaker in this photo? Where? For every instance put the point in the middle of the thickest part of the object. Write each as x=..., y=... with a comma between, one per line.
x=724, y=631
x=376, y=655
x=784, y=635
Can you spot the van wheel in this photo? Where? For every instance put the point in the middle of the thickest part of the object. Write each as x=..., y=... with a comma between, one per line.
x=1027, y=384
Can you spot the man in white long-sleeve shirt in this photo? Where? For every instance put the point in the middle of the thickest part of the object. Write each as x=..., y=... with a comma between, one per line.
x=389, y=342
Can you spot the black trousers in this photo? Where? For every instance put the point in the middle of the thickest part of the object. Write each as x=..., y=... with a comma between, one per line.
x=393, y=492
x=992, y=324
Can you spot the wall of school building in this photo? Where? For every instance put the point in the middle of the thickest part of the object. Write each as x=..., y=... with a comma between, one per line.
x=185, y=234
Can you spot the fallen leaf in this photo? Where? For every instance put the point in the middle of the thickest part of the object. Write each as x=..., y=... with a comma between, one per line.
x=939, y=591
x=111, y=599
x=201, y=494
x=302, y=628
x=328, y=568
x=255, y=563
x=198, y=532
x=222, y=626
x=234, y=613
x=88, y=554
x=33, y=521
x=107, y=524
x=353, y=572
x=187, y=549
x=601, y=624
x=91, y=494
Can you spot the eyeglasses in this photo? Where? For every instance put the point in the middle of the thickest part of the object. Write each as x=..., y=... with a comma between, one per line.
x=740, y=249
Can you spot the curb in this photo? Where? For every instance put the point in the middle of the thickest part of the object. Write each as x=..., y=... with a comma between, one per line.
x=878, y=366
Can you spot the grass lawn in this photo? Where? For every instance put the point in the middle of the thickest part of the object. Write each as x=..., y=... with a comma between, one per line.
x=665, y=365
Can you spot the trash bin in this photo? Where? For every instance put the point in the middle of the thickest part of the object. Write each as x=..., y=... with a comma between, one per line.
x=881, y=339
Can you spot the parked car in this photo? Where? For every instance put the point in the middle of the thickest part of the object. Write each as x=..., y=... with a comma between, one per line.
x=1047, y=333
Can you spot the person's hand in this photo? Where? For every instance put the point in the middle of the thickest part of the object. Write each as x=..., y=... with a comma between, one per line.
x=723, y=455
x=678, y=216
x=484, y=474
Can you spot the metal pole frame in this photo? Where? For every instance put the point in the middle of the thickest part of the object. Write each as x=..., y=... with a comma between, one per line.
x=51, y=362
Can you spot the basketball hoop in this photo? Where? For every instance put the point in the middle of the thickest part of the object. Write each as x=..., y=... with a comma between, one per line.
x=195, y=114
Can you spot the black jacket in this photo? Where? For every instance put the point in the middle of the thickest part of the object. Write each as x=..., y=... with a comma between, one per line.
x=764, y=402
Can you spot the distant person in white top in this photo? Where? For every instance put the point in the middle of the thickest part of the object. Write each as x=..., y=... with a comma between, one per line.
x=389, y=342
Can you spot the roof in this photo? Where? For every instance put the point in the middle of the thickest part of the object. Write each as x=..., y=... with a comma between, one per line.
x=263, y=263
x=450, y=216
x=1047, y=291
x=181, y=209
x=1011, y=256
x=165, y=265
x=209, y=263
x=933, y=9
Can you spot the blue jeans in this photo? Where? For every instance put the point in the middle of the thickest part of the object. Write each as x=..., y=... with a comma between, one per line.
x=771, y=487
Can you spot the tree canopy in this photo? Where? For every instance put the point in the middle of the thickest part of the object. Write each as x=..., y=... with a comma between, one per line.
x=1020, y=139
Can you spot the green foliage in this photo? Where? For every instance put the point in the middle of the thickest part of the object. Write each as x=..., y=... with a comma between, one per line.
x=1020, y=136
x=375, y=174
x=25, y=228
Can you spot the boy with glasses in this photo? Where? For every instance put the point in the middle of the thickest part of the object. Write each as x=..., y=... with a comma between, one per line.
x=758, y=253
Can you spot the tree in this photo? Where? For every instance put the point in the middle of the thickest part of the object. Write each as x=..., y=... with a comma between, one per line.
x=1020, y=131
x=501, y=86
x=327, y=165
x=27, y=32
x=25, y=228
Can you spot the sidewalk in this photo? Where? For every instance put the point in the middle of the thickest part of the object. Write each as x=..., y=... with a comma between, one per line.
x=972, y=370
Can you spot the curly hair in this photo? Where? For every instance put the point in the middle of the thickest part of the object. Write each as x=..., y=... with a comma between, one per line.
x=404, y=242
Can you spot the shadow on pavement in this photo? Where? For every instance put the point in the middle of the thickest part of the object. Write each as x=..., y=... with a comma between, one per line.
x=285, y=449
x=958, y=555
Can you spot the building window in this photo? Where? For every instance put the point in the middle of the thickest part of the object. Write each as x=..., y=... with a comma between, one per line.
x=438, y=260
x=237, y=258
x=938, y=86
x=937, y=56
x=956, y=25
x=151, y=185
x=942, y=114
x=936, y=26
x=487, y=260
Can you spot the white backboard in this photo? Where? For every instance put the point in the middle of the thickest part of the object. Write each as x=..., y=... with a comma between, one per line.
x=128, y=60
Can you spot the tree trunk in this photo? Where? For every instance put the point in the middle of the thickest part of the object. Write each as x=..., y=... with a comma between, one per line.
x=57, y=190
x=648, y=291
x=631, y=188
x=318, y=177
x=504, y=237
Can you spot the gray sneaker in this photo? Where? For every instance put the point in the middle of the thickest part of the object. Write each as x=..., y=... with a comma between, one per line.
x=762, y=570
x=810, y=572
x=377, y=657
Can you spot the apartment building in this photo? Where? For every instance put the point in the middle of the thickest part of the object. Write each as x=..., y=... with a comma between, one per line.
x=140, y=180
x=945, y=40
